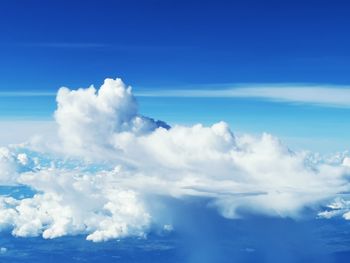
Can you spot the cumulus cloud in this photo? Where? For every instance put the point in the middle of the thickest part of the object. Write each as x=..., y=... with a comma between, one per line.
x=8, y=166
x=114, y=163
x=72, y=203
x=87, y=118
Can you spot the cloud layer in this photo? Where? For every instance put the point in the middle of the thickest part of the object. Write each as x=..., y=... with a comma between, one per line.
x=330, y=96
x=110, y=165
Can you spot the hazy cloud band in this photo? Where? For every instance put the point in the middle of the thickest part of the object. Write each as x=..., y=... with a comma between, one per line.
x=331, y=96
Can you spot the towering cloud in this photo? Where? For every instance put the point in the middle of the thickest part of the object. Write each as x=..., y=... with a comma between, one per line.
x=115, y=163
x=88, y=119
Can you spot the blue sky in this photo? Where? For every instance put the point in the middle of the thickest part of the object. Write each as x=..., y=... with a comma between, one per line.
x=164, y=45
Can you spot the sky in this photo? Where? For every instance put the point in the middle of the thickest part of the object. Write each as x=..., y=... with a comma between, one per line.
x=175, y=131
x=160, y=46
x=172, y=43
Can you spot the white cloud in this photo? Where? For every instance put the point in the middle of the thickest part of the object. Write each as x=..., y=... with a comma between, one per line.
x=87, y=118
x=22, y=158
x=100, y=176
x=16, y=132
x=346, y=161
x=72, y=203
x=322, y=95
x=8, y=169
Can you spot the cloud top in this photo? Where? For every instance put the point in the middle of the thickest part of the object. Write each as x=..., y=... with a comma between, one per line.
x=87, y=118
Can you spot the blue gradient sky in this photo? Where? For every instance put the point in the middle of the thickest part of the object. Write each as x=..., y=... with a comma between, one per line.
x=160, y=45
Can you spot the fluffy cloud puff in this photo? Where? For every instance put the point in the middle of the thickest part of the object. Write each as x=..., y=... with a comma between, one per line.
x=87, y=119
x=72, y=203
x=124, y=158
x=10, y=165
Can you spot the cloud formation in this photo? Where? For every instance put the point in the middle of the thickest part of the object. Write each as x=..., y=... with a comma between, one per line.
x=88, y=119
x=330, y=96
x=8, y=172
x=103, y=173
x=73, y=203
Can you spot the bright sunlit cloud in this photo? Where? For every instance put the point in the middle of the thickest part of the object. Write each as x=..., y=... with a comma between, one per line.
x=108, y=166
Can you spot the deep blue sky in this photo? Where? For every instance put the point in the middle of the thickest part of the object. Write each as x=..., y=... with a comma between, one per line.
x=46, y=44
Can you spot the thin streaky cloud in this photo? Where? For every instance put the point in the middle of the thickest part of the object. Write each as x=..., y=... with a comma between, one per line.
x=27, y=94
x=330, y=96
x=107, y=46
x=326, y=96
x=65, y=45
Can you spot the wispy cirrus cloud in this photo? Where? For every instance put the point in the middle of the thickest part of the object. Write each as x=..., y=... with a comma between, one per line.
x=65, y=45
x=100, y=46
x=27, y=94
x=322, y=95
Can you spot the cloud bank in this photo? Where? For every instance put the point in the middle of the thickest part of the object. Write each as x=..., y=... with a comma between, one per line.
x=110, y=167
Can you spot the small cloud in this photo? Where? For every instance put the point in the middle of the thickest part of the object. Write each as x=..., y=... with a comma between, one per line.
x=249, y=250
x=168, y=228
x=22, y=158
